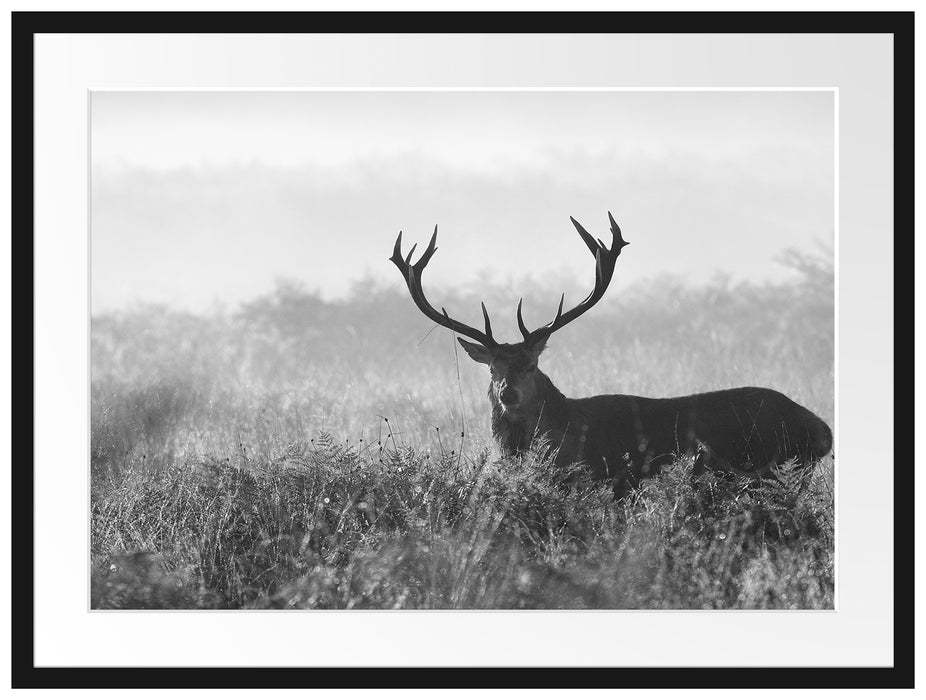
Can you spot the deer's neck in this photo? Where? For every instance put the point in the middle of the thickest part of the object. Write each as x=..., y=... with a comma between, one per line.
x=545, y=415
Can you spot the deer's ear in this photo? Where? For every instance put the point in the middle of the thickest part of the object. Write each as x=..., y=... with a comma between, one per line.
x=476, y=351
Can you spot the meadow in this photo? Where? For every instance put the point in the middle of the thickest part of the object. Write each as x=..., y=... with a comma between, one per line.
x=301, y=453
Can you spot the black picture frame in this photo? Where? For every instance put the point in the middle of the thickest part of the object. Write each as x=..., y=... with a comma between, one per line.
x=25, y=25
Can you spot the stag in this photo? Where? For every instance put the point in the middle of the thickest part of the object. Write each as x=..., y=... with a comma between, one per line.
x=623, y=438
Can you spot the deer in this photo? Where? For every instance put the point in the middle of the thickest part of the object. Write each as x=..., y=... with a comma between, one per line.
x=748, y=431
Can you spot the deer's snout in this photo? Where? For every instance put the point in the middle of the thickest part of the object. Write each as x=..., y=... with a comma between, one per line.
x=510, y=396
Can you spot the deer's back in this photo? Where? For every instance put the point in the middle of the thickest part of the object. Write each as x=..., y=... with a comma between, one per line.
x=748, y=427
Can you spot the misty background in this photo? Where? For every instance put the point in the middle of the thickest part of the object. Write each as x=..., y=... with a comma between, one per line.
x=240, y=246
x=275, y=424
x=205, y=200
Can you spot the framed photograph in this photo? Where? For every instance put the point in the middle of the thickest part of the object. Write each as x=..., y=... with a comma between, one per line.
x=658, y=302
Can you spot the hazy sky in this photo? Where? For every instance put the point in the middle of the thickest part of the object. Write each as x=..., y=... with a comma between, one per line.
x=210, y=197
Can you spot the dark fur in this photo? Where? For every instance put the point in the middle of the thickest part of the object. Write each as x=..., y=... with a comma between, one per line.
x=625, y=438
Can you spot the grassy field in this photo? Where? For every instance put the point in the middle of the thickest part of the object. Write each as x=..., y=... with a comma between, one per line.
x=295, y=453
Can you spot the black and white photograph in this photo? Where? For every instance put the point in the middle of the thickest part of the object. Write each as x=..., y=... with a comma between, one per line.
x=426, y=349
x=462, y=349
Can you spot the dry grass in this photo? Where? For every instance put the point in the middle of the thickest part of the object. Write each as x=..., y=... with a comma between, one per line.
x=296, y=453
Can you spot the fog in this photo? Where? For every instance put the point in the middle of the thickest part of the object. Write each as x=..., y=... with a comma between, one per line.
x=205, y=199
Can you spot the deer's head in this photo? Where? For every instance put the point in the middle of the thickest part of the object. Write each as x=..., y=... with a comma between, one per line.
x=514, y=375
x=513, y=366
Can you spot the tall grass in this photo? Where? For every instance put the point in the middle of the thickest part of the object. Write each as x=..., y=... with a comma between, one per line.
x=301, y=453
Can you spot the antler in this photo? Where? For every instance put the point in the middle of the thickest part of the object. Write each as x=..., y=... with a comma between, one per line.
x=604, y=269
x=412, y=274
